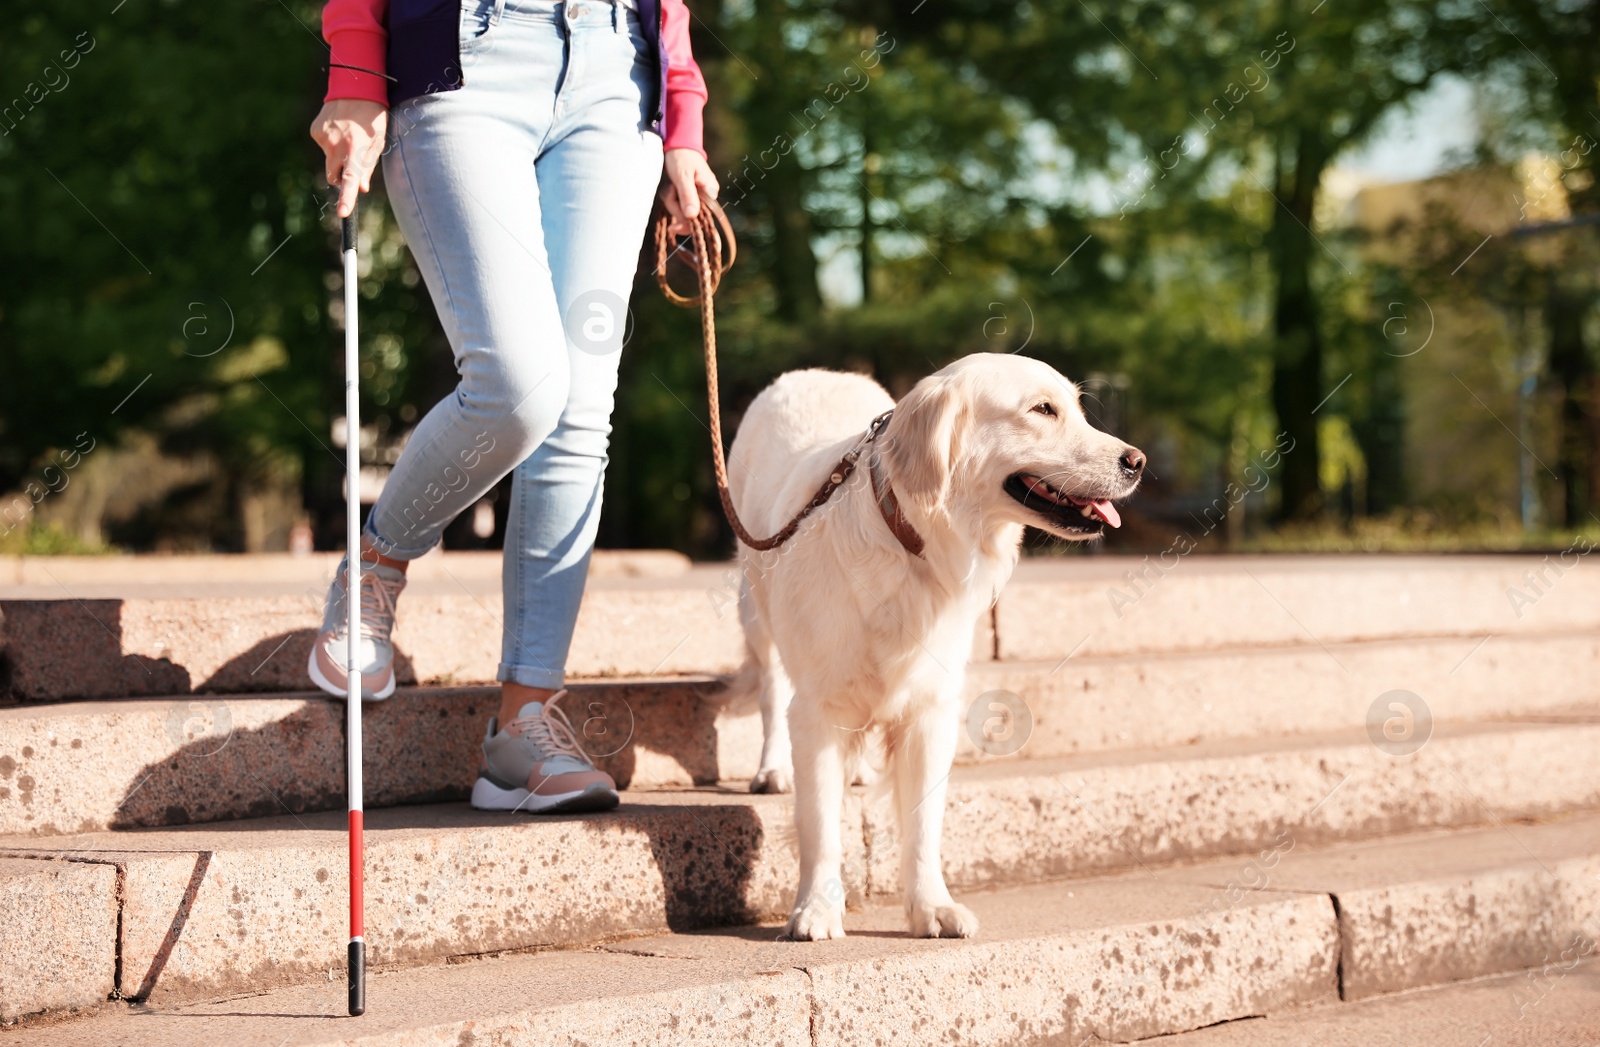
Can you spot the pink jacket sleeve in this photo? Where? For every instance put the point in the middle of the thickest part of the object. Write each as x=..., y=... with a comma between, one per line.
x=686, y=87
x=354, y=30
x=356, y=37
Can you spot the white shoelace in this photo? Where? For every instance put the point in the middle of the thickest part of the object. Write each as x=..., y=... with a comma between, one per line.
x=551, y=730
x=378, y=597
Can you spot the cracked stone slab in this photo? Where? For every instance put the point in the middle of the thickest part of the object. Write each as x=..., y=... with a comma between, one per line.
x=1449, y=907
x=207, y=911
x=268, y=903
x=58, y=946
x=1055, y=963
x=1561, y=1009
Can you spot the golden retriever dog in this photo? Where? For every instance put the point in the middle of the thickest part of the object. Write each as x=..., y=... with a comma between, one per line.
x=864, y=621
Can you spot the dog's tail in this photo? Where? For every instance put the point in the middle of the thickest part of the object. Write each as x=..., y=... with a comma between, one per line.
x=740, y=688
x=867, y=763
x=880, y=787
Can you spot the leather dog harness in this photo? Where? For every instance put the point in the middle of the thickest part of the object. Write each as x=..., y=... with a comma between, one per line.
x=710, y=237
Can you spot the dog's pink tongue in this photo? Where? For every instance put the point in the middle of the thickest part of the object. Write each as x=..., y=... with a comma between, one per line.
x=1107, y=512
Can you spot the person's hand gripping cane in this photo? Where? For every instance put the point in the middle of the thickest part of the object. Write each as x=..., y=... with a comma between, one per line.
x=351, y=133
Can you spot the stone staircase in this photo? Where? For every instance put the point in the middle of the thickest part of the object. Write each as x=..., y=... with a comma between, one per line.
x=1231, y=788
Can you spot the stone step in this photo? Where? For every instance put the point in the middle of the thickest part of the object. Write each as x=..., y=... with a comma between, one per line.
x=1090, y=703
x=1558, y=1007
x=45, y=577
x=84, y=646
x=197, y=758
x=1451, y=906
x=84, y=766
x=1118, y=605
x=1043, y=970
x=1045, y=819
x=208, y=910
x=1301, y=934
x=126, y=638
x=59, y=948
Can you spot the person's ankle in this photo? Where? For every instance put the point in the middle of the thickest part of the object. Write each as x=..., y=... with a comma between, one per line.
x=513, y=696
x=369, y=555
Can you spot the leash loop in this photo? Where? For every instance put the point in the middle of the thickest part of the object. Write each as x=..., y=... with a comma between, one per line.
x=711, y=251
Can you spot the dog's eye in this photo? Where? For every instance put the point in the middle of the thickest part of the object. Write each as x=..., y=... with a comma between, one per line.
x=1045, y=408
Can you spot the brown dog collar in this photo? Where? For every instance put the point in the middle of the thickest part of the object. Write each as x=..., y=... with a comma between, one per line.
x=883, y=494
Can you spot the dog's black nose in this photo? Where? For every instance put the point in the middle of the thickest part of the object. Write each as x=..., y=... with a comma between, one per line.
x=1132, y=462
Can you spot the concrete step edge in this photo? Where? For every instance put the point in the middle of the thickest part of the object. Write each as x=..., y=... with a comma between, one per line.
x=1440, y=908
x=1554, y=1007
x=81, y=766
x=119, y=647
x=262, y=901
x=1039, y=973
x=1111, y=958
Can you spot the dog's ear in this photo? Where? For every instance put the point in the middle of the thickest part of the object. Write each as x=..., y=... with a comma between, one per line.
x=924, y=442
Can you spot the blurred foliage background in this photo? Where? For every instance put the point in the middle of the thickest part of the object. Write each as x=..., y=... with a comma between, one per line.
x=1154, y=197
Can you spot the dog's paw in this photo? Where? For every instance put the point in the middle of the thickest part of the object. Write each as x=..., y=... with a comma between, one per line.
x=816, y=921
x=773, y=780
x=942, y=921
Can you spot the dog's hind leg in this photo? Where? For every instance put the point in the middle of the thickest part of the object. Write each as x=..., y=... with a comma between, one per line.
x=921, y=754
x=777, y=764
x=776, y=773
x=818, y=804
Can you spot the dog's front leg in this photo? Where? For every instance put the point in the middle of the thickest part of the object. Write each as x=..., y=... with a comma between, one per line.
x=923, y=756
x=818, y=804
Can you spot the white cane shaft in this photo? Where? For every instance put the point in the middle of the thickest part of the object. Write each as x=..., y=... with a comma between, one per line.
x=352, y=469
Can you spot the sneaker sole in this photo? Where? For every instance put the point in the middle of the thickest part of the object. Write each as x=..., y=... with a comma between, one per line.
x=487, y=796
x=338, y=689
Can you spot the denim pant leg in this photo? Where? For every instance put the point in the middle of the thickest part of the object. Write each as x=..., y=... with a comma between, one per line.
x=602, y=166
x=460, y=172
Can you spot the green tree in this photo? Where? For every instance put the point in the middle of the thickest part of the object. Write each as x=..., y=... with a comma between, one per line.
x=1264, y=95
x=170, y=267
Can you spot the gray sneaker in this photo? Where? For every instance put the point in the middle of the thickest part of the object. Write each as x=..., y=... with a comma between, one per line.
x=535, y=764
x=380, y=588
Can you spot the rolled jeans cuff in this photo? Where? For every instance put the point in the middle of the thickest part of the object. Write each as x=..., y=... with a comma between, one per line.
x=390, y=549
x=532, y=676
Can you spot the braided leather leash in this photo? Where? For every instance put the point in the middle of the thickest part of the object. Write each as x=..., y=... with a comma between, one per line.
x=710, y=238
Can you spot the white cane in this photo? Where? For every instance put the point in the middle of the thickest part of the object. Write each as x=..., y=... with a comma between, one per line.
x=352, y=471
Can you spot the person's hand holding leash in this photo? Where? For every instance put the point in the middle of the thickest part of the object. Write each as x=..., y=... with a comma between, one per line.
x=683, y=176
x=351, y=133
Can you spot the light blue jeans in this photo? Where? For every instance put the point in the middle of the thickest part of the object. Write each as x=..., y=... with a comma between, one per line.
x=524, y=197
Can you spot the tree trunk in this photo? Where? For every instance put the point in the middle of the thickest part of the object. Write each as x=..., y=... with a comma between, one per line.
x=1380, y=433
x=776, y=111
x=794, y=269
x=868, y=164
x=1572, y=368
x=1297, y=356
x=866, y=213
